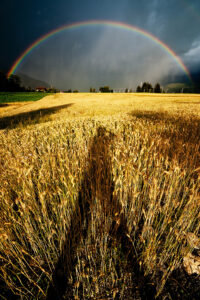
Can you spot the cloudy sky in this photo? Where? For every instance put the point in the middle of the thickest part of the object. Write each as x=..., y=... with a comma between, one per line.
x=100, y=54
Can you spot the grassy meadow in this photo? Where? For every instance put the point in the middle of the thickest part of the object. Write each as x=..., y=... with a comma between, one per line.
x=99, y=194
x=7, y=97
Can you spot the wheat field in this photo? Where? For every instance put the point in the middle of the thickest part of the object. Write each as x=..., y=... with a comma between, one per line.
x=98, y=193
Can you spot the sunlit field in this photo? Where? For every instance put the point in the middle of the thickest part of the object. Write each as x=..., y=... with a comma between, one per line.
x=100, y=196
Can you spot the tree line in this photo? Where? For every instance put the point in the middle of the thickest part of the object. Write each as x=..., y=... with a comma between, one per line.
x=10, y=84
x=148, y=88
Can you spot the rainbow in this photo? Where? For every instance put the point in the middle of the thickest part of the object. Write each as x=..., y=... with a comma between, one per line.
x=101, y=22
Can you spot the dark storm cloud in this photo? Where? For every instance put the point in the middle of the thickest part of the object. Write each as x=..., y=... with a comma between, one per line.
x=176, y=23
x=22, y=21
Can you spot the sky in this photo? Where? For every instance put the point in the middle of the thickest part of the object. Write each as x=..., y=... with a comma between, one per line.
x=97, y=55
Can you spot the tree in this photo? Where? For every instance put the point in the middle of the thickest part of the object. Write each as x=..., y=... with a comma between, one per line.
x=126, y=90
x=3, y=82
x=11, y=83
x=139, y=89
x=147, y=87
x=105, y=89
x=92, y=90
x=157, y=88
x=52, y=90
x=14, y=83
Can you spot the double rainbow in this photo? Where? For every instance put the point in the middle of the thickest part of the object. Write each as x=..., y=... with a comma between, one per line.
x=101, y=22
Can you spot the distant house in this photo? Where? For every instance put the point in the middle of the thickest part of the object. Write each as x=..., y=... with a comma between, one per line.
x=40, y=89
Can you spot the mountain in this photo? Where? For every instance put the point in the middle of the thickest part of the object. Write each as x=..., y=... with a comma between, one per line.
x=33, y=83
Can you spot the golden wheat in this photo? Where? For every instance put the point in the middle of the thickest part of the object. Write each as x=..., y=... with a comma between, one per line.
x=136, y=163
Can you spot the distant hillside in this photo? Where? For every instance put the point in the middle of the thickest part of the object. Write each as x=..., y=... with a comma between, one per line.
x=180, y=83
x=178, y=87
x=174, y=78
x=33, y=83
